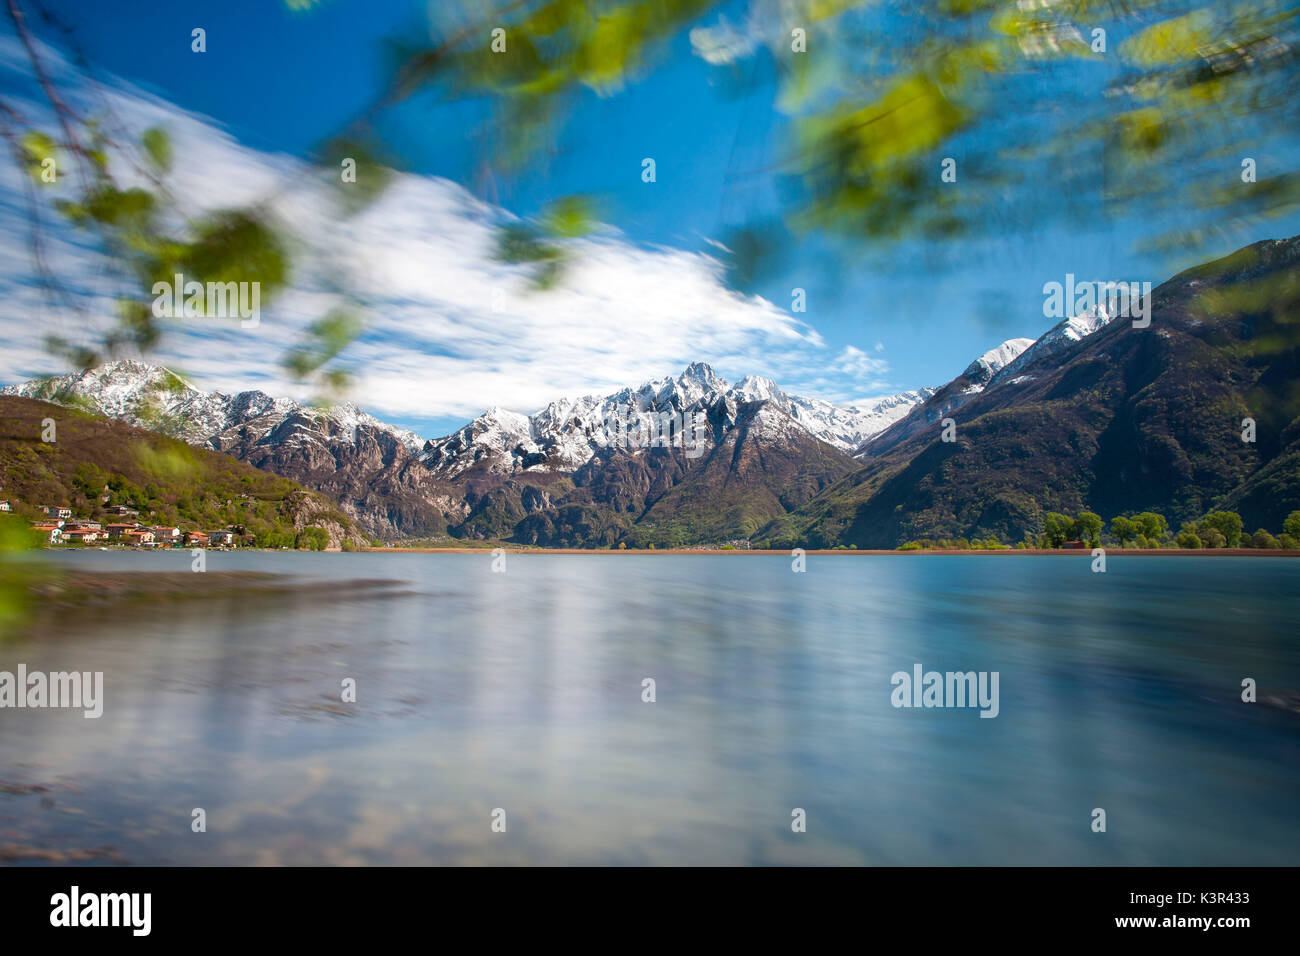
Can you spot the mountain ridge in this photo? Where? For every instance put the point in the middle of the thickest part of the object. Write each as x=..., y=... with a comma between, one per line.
x=494, y=470
x=95, y=461
x=1095, y=413
x=1120, y=420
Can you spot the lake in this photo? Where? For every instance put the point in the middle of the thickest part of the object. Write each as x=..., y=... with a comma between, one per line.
x=523, y=692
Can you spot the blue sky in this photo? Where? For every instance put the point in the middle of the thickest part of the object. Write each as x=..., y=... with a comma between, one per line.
x=279, y=82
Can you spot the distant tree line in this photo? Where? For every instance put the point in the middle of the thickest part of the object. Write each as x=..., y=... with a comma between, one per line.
x=1218, y=529
x=955, y=544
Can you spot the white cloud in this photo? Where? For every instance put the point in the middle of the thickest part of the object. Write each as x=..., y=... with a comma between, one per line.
x=722, y=43
x=449, y=330
x=857, y=363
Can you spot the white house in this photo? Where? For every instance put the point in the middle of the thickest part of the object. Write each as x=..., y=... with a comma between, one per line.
x=53, y=531
x=167, y=535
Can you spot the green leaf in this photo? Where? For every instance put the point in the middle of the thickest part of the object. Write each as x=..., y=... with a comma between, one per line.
x=158, y=147
x=237, y=246
x=125, y=208
x=568, y=217
x=37, y=147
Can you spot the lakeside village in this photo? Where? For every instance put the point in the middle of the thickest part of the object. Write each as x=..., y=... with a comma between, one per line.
x=61, y=527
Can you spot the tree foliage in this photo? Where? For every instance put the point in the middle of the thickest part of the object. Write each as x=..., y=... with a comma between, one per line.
x=1087, y=527
x=1128, y=109
x=1123, y=530
x=1226, y=523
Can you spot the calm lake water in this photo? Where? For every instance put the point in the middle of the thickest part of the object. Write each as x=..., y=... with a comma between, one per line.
x=523, y=691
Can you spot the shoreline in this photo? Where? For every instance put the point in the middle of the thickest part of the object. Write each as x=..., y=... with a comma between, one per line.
x=1041, y=552
x=1038, y=552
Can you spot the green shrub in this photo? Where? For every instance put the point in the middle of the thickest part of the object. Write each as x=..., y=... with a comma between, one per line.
x=1226, y=523
x=1213, y=538
x=312, y=539
x=1262, y=539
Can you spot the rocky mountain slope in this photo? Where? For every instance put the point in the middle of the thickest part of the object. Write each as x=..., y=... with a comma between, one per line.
x=562, y=466
x=366, y=466
x=943, y=401
x=567, y=434
x=1094, y=414
x=586, y=472
x=1104, y=416
x=92, y=459
x=152, y=397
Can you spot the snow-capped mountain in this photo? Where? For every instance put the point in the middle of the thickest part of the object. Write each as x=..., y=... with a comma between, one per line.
x=152, y=397
x=363, y=464
x=567, y=434
x=936, y=403
x=762, y=464
x=842, y=426
x=561, y=437
x=395, y=483
x=1060, y=337
x=982, y=371
x=1100, y=415
x=500, y=470
x=1005, y=364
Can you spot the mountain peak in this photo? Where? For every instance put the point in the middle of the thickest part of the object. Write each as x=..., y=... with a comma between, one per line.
x=700, y=373
x=753, y=388
x=995, y=359
x=154, y=397
x=1054, y=341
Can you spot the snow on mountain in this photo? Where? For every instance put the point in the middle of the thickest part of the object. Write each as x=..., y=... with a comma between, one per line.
x=848, y=426
x=561, y=437
x=152, y=397
x=751, y=388
x=492, y=433
x=983, y=369
x=938, y=402
x=1059, y=338
x=566, y=434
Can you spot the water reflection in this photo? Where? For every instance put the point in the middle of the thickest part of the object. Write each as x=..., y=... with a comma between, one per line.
x=523, y=691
